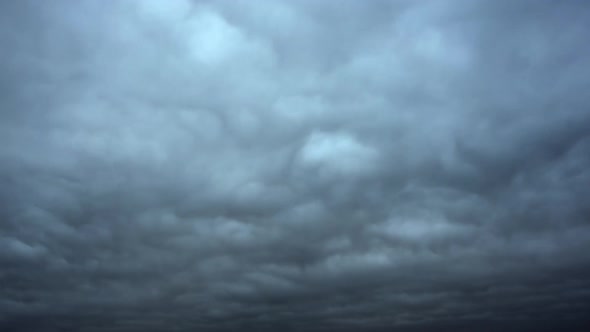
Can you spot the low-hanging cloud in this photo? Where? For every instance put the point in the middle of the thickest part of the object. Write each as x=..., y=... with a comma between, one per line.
x=294, y=165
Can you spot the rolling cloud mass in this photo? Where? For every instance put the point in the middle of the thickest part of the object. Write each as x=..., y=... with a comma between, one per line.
x=295, y=165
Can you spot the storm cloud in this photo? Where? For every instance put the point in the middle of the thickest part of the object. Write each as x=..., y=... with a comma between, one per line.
x=177, y=165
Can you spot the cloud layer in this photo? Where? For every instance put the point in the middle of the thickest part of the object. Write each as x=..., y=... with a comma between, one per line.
x=294, y=165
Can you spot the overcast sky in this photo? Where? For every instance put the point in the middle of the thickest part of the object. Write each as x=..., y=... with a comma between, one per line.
x=297, y=165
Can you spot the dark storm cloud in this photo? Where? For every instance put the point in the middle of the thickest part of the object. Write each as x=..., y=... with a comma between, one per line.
x=294, y=165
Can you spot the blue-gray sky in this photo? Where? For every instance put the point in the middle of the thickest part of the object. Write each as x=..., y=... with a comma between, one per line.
x=296, y=165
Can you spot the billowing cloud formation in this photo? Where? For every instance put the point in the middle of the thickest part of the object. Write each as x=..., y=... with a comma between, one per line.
x=294, y=165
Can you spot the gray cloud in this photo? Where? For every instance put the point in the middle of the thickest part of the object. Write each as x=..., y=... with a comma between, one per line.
x=294, y=165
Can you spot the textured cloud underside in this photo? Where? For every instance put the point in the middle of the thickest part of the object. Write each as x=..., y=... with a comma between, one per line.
x=175, y=165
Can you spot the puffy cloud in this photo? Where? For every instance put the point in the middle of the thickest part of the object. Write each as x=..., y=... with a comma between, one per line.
x=294, y=165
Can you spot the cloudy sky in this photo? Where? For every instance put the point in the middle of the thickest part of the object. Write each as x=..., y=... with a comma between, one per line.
x=296, y=165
